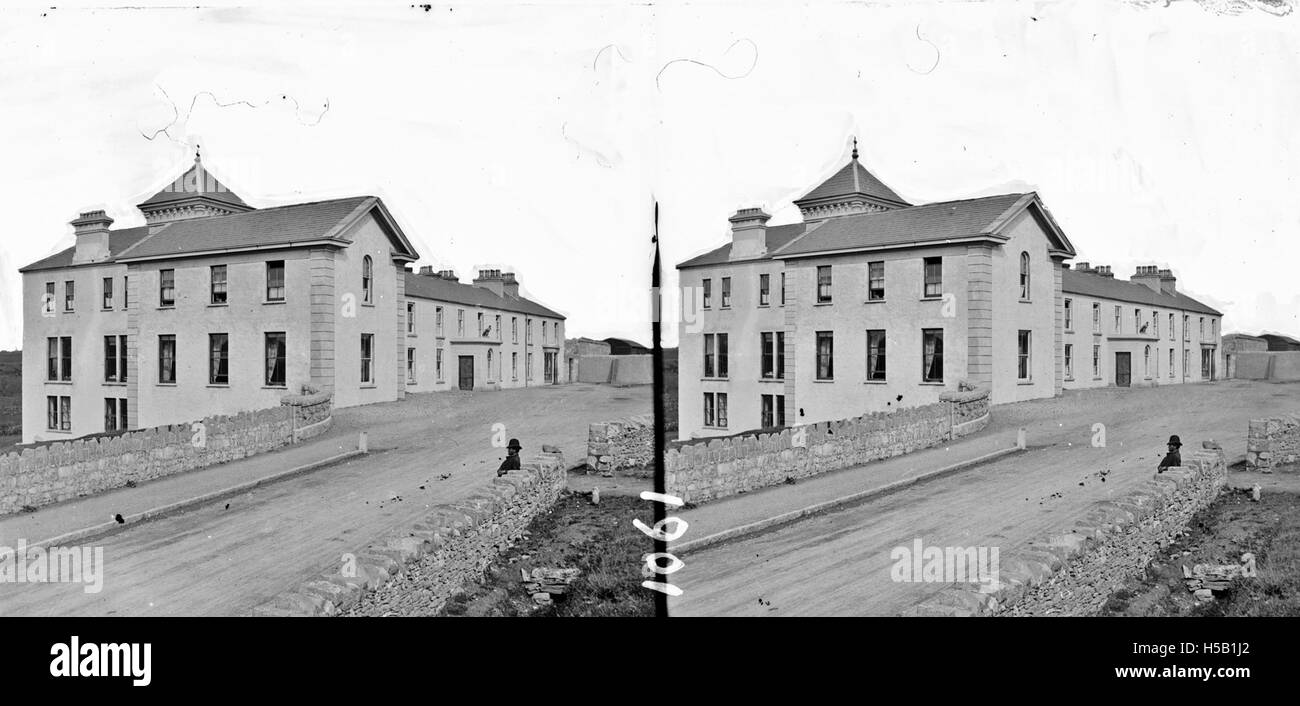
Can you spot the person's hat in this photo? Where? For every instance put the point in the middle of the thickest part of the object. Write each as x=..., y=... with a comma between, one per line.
x=514, y=444
x=1174, y=441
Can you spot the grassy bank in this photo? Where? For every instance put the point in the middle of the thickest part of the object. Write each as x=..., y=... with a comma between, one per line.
x=1220, y=534
x=598, y=540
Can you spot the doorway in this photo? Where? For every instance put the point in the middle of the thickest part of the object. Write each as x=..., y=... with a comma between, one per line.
x=1123, y=369
x=466, y=375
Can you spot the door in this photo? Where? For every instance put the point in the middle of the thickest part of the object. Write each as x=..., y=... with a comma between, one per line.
x=549, y=363
x=466, y=372
x=1123, y=374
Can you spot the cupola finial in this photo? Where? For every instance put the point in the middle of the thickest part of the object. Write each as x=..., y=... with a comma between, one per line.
x=855, y=149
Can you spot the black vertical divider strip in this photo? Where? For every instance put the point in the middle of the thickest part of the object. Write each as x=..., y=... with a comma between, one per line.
x=656, y=332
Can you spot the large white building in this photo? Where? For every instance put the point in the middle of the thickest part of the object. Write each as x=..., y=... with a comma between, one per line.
x=871, y=303
x=216, y=307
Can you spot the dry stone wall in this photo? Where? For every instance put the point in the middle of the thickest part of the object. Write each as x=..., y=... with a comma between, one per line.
x=705, y=470
x=415, y=570
x=621, y=443
x=64, y=470
x=1273, y=441
x=1073, y=572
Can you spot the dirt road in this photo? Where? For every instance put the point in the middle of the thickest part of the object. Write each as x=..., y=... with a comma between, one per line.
x=839, y=563
x=216, y=560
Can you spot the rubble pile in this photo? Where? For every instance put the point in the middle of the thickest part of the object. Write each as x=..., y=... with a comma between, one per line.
x=545, y=583
x=1203, y=580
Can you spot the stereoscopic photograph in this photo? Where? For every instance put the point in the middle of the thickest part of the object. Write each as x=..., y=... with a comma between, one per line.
x=602, y=309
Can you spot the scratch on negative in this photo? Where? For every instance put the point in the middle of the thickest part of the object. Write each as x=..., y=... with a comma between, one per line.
x=936, y=54
x=715, y=69
x=220, y=104
x=602, y=51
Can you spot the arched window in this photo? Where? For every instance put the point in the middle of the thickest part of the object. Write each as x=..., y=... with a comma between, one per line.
x=1024, y=275
x=367, y=276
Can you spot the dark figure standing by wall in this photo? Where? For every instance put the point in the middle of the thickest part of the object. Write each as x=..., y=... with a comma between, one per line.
x=512, y=458
x=1173, y=458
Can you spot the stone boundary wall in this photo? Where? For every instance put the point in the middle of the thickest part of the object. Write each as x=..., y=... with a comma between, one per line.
x=708, y=470
x=621, y=443
x=51, y=473
x=415, y=570
x=1278, y=366
x=1073, y=572
x=616, y=369
x=1272, y=441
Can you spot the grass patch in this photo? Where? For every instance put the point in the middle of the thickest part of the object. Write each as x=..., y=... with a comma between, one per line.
x=598, y=540
x=1219, y=534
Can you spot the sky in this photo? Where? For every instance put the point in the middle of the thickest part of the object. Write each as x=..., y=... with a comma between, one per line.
x=538, y=137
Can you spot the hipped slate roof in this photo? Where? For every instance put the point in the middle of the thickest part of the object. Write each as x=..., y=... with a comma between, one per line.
x=853, y=178
x=118, y=240
x=445, y=290
x=931, y=223
x=777, y=237
x=1092, y=285
x=268, y=227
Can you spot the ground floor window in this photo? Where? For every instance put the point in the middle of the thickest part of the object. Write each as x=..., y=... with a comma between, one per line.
x=1186, y=356
x=167, y=359
x=367, y=358
x=715, y=409
x=1146, y=362
x=1207, y=355
x=825, y=355
x=219, y=359
x=932, y=355
x=1022, y=355
x=114, y=414
x=410, y=365
x=1171, y=361
x=276, y=345
x=1069, y=360
x=1096, y=361
x=876, y=355
x=489, y=366
x=58, y=413
x=437, y=364
x=773, y=410
x=514, y=366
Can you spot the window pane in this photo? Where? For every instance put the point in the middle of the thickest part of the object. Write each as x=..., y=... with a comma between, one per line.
x=933, y=276
x=876, y=355
x=167, y=358
x=275, y=359
x=932, y=355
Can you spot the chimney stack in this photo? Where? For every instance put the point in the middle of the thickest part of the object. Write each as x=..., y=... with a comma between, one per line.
x=490, y=280
x=1167, y=282
x=509, y=285
x=1159, y=280
x=748, y=233
x=91, y=229
x=426, y=270
x=1082, y=267
x=1104, y=271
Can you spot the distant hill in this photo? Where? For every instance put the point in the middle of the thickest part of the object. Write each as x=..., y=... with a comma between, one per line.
x=11, y=396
